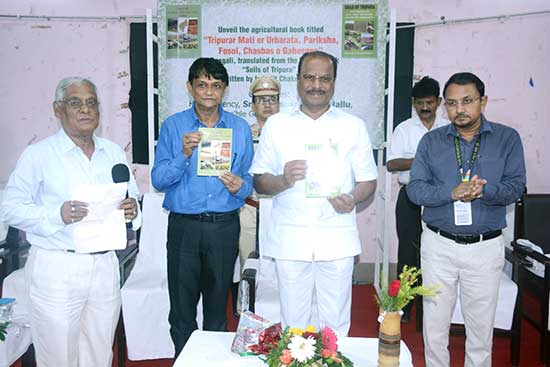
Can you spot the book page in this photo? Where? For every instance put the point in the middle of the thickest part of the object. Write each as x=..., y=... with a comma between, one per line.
x=323, y=178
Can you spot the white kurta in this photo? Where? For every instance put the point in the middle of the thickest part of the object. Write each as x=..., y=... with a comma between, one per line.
x=304, y=228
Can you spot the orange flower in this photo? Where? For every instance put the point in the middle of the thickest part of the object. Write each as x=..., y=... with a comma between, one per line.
x=327, y=353
x=285, y=357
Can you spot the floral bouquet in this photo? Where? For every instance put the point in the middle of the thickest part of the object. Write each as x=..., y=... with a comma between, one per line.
x=295, y=347
x=403, y=290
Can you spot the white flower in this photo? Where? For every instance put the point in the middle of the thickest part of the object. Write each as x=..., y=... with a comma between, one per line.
x=301, y=349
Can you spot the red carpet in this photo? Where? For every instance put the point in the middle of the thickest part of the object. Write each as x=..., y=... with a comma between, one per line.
x=364, y=324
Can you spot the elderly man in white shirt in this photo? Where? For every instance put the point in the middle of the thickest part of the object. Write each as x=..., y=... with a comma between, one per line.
x=407, y=134
x=74, y=297
x=317, y=161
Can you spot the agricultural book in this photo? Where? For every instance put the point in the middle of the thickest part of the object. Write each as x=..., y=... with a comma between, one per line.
x=321, y=180
x=214, y=150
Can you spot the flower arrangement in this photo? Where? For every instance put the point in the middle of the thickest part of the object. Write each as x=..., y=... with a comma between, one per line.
x=400, y=292
x=295, y=347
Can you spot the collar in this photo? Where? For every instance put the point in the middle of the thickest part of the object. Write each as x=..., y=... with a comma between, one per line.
x=222, y=122
x=66, y=144
x=485, y=128
x=438, y=122
x=331, y=110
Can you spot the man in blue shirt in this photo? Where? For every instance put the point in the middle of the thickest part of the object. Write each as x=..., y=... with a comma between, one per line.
x=465, y=174
x=203, y=225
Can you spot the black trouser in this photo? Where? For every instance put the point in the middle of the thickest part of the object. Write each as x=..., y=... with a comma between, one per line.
x=409, y=229
x=201, y=259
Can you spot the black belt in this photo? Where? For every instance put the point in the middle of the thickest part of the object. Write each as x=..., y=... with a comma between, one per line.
x=211, y=216
x=87, y=253
x=465, y=239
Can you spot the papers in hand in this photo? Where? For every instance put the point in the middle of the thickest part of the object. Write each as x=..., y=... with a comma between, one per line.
x=104, y=227
x=324, y=174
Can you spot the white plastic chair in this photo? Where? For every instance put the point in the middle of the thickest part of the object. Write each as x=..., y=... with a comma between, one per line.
x=145, y=300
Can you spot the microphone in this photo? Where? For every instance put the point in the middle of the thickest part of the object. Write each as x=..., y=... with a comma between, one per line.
x=121, y=173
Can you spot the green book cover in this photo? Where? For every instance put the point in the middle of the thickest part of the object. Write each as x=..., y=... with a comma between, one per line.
x=321, y=180
x=214, y=150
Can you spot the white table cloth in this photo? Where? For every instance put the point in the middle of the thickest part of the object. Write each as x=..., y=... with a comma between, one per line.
x=212, y=349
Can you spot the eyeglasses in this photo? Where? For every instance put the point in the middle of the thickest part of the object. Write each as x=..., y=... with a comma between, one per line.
x=324, y=79
x=76, y=103
x=266, y=100
x=465, y=102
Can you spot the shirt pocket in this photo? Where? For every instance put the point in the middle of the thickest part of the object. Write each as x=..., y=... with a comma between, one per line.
x=490, y=169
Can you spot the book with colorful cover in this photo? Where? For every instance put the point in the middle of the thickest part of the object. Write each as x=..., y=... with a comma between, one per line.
x=214, y=151
x=321, y=180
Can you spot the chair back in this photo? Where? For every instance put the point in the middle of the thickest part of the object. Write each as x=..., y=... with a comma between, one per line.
x=152, y=243
x=533, y=220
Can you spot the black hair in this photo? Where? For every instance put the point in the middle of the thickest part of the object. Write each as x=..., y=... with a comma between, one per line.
x=210, y=67
x=465, y=78
x=333, y=59
x=426, y=87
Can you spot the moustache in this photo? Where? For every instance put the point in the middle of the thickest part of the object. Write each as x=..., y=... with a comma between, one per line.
x=461, y=115
x=315, y=91
x=425, y=111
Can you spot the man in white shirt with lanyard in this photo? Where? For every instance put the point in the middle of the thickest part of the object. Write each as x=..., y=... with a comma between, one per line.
x=74, y=297
x=407, y=134
x=317, y=161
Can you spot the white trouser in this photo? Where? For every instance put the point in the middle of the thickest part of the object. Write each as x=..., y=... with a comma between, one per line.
x=74, y=307
x=477, y=269
x=328, y=282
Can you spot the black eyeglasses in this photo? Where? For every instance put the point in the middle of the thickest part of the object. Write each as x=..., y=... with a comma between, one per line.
x=265, y=100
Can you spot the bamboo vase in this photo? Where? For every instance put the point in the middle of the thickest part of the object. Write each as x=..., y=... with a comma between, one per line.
x=389, y=340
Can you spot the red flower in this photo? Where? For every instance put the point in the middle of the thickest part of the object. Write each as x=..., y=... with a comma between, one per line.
x=329, y=339
x=393, y=289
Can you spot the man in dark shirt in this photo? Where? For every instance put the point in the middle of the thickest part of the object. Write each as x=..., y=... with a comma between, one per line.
x=465, y=174
x=203, y=226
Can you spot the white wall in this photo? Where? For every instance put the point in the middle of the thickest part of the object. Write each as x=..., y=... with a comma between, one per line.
x=36, y=54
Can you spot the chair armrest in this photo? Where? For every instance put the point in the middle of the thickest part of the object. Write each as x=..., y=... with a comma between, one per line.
x=527, y=251
x=517, y=261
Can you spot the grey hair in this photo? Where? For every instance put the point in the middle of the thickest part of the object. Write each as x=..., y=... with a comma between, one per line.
x=67, y=82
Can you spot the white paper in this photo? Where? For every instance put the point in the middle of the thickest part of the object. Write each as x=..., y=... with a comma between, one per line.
x=104, y=228
x=463, y=213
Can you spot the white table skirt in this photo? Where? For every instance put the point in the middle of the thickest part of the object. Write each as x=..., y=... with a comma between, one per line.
x=212, y=349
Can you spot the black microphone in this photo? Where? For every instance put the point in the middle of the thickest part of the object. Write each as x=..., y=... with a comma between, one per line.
x=121, y=173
